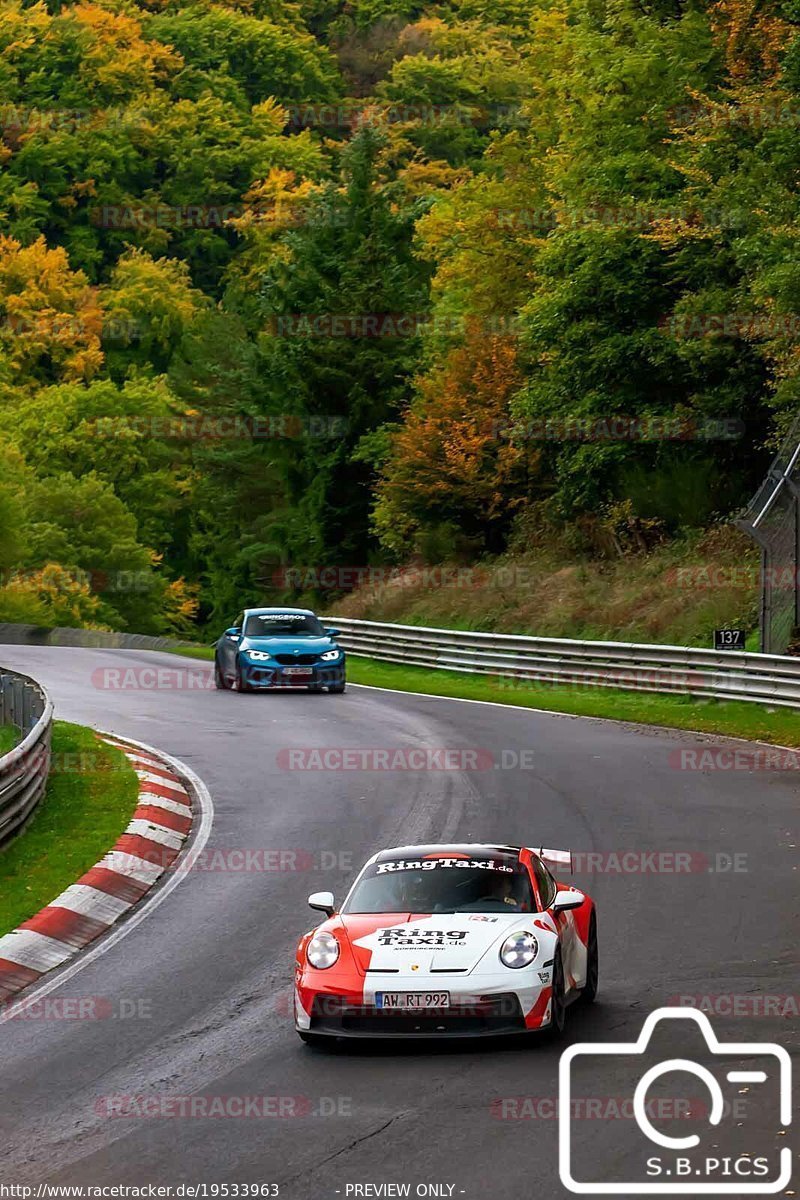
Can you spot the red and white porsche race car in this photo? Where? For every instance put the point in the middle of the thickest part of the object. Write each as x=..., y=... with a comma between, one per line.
x=438, y=941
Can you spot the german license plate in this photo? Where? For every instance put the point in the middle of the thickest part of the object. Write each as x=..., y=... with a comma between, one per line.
x=298, y=672
x=412, y=1000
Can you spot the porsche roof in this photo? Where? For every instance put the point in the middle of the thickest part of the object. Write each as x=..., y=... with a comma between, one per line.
x=468, y=849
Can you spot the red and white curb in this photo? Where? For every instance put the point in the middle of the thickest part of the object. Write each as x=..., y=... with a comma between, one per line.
x=148, y=847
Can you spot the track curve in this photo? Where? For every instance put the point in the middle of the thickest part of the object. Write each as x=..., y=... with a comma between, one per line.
x=208, y=975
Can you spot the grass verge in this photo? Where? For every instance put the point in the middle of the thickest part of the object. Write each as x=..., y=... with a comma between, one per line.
x=90, y=798
x=204, y=652
x=9, y=736
x=732, y=718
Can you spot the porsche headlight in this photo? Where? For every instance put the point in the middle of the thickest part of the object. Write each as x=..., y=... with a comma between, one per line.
x=322, y=951
x=330, y=655
x=258, y=655
x=519, y=950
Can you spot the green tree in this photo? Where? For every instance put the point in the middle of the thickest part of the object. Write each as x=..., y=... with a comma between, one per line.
x=136, y=438
x=84, y=527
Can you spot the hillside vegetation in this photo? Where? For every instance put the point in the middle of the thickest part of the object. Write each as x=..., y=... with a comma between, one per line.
x=678, y=594
x=287, y=286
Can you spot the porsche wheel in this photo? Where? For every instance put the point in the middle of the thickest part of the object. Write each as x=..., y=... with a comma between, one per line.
x=592, y=965
x=558, y=1004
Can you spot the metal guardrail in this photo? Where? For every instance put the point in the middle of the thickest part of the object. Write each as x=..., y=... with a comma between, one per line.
x=40, y=635
x=524, y=662
x=23, y=771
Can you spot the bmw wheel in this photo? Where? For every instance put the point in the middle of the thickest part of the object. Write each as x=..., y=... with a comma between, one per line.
x=237, y=683
x=219, y=678
x=336, y=689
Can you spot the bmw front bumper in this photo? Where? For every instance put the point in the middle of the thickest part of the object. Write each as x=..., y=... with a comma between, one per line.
x=273, y=675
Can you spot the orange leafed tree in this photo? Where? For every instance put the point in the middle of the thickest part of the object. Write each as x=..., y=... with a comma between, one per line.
x=50, y=318
x=452, y=459
x=754, y=36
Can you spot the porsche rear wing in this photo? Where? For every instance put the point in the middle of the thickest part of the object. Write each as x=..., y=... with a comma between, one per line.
x=556, y=858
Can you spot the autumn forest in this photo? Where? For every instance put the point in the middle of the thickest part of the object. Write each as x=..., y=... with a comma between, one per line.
x=291, y=284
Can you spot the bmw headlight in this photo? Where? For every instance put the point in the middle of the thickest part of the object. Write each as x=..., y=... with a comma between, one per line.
x=330, y=655
x=322, y=951
x=519, y=950
x=258, y=655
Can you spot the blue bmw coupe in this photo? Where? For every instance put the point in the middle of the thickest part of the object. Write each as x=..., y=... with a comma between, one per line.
x=279, y=648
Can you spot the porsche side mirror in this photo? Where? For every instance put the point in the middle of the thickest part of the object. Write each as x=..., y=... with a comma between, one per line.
x=323, y=902
x=567, y=900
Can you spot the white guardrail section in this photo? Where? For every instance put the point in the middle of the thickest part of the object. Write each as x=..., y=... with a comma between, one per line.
x=684, y=670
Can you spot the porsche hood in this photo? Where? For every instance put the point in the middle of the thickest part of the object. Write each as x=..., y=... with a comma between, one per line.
x=453, y=943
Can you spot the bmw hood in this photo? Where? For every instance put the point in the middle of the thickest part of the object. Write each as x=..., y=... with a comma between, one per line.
x=450, y=942
x=288, y=645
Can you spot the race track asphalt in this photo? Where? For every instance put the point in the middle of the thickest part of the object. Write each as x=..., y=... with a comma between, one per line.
x=207, y=975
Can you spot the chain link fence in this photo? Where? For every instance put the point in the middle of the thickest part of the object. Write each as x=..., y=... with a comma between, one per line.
x=773, y=520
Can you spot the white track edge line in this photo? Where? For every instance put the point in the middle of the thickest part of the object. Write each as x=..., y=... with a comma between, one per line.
x=648, y=726
x=148, y=904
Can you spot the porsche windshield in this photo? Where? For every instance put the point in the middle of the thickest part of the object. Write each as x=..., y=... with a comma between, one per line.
x=283, y=625
x=443, y=885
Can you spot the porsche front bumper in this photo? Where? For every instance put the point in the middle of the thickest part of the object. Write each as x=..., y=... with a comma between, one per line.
x=489, y=1008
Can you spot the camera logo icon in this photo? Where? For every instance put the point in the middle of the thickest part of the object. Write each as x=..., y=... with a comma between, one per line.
x=735, y=1079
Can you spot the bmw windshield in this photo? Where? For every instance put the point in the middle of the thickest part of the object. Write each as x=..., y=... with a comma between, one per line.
x=442, y=885
x=283, y=625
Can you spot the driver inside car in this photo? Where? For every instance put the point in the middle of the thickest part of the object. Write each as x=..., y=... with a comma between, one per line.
x=415, y=894
x=508, y=890
x=512, y=892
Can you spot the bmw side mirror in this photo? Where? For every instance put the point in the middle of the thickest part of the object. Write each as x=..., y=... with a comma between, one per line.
x=333, y=632
x=568, y=899
x=323, y=902
x=233, y=632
